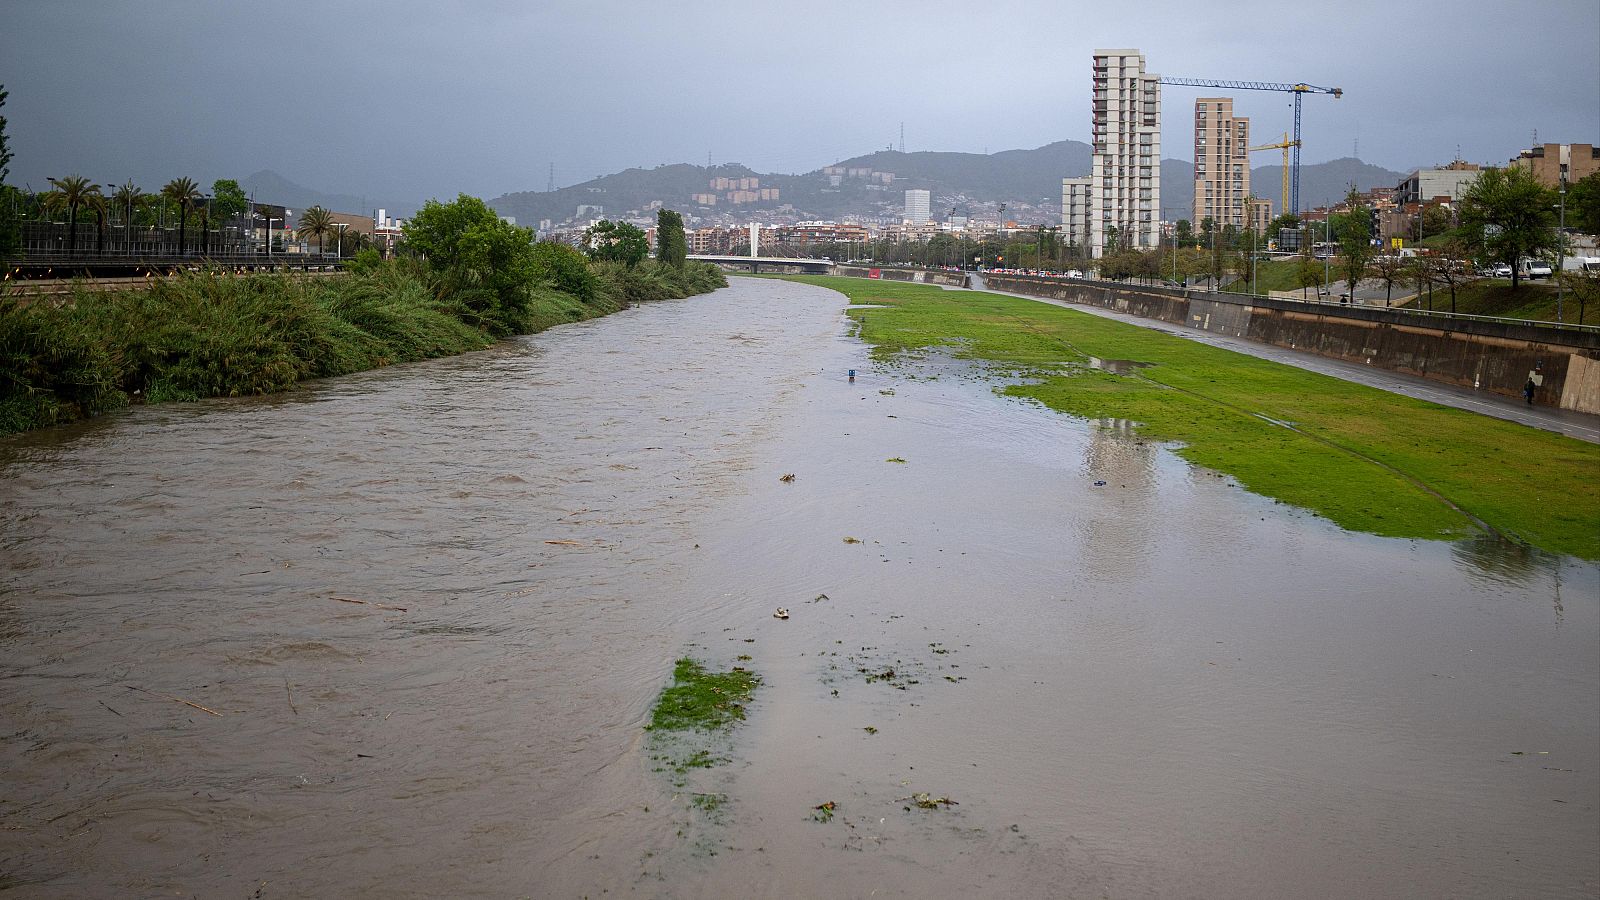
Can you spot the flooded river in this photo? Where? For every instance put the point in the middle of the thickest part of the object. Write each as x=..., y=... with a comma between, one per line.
x=1132, y=678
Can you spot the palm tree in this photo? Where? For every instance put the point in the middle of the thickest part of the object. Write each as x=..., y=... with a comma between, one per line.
x=184, y=192
x=126, y=198
x=317, y=221
x=99, y=204
x=73, y=192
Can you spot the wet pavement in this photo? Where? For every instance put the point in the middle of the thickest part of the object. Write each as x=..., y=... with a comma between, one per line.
x=1583, y=426
x=1133, y=678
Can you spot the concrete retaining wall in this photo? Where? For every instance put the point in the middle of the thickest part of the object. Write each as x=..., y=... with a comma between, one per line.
x=1490, y=356
x=919, y=276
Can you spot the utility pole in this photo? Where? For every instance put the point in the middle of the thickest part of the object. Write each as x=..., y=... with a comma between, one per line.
x=1561, y=245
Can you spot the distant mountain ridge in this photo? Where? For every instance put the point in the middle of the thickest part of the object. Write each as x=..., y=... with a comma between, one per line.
x=267, y=186
x=1028, y=181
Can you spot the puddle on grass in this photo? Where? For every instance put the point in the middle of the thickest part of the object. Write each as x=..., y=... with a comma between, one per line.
x=1117, y=366
x=1157, y=685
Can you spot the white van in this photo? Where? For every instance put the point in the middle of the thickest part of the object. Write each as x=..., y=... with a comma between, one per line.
x=1533, y=268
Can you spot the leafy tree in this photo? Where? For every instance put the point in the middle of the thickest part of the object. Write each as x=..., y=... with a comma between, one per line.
x=617, y=242
x=490, y=260
x=1183, y=233
x=1354, y=233
x=564, y=268
x=319, y=222
x=1450, y=266
x=1420, y=272
x=1390, y=269
x=1506, y=214
x=1583, y=202
x=227, y=199
x=672, y=247
x=1433, y=220
x=1307, y=273
x=73, y=193
x=1585, y=285
x=183, y=192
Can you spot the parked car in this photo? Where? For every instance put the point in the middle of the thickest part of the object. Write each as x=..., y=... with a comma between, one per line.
x=1534, y=268
x=1502, y=271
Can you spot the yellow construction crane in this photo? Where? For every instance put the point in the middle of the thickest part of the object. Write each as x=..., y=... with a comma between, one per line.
x=1283, y=145
x=1299, y=90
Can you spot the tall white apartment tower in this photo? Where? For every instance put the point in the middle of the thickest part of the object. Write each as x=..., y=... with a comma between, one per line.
x=918, y=206
x=1125, y=181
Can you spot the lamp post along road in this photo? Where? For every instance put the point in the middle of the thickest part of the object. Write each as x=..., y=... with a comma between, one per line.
x=269, y=235
x=339, y=252
x=1561, y=244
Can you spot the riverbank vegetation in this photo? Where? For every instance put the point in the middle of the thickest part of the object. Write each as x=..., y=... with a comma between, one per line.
x=466, y=280
x=1366, y=459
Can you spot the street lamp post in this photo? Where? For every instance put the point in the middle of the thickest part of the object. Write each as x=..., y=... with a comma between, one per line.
x=270, y=220
x=339, y=252
x=1561, y=244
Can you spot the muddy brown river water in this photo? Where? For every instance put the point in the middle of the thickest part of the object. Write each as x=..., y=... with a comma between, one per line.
x=1158, y=686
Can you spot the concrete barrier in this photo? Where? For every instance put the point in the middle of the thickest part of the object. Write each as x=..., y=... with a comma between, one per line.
x=918, y=276
x=1489, y=355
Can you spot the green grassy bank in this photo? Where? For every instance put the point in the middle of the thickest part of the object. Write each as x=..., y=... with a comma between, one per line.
x=214, y=335
x=1366, y=459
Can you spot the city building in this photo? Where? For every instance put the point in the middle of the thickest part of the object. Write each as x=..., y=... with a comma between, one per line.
x=1075, y=211
x=820, y=233
x=1260, y=214
x=918, y=207
x=1221, y=163
x=1548, y=162
x=1448, y=182
x=1125, y=187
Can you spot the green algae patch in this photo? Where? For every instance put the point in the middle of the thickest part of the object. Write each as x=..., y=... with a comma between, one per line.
x=701, y=700
x=1366, y=459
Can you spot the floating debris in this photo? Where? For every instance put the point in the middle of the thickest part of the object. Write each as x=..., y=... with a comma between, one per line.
x=781, y=612
x=851, y=540
x=895, y=459
x=822, y=812
x=786, y=478
x=928, y=801
x=870, y=730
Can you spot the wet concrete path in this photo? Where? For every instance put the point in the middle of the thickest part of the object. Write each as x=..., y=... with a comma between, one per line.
x=1133, y=678
x=1583, y=426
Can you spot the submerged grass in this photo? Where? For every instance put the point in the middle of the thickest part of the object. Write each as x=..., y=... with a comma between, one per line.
x=213, y=334
x=1364, y=458
x=703, y=700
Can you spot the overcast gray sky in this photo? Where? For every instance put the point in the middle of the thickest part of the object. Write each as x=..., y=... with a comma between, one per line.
x=407, y=100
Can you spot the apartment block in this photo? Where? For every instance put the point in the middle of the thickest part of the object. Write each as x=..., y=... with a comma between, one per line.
x=1448, y=182
x=1075, y=211
x=1548, y=162
x=1221, y=163
x=918, y=207
x=1260, y=214
x=1125, y=189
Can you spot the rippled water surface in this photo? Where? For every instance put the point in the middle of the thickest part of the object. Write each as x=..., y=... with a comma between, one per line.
x=1158, y=685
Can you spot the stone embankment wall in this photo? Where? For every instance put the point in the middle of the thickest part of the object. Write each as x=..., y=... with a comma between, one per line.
x=920, y=276
x=1488, y=356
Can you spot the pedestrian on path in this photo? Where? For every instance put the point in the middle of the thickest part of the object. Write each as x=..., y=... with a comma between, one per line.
x=1527, y=391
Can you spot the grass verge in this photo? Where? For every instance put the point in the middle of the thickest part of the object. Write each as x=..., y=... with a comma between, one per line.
x=1366, y=459
x=211, y=335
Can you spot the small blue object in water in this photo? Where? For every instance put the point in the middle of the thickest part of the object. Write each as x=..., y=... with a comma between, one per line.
x=852, y=374
x=1099, y=484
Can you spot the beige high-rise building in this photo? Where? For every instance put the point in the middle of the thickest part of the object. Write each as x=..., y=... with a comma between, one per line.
x=1260, y=215
x=1221, y=164
x=1125, y=179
